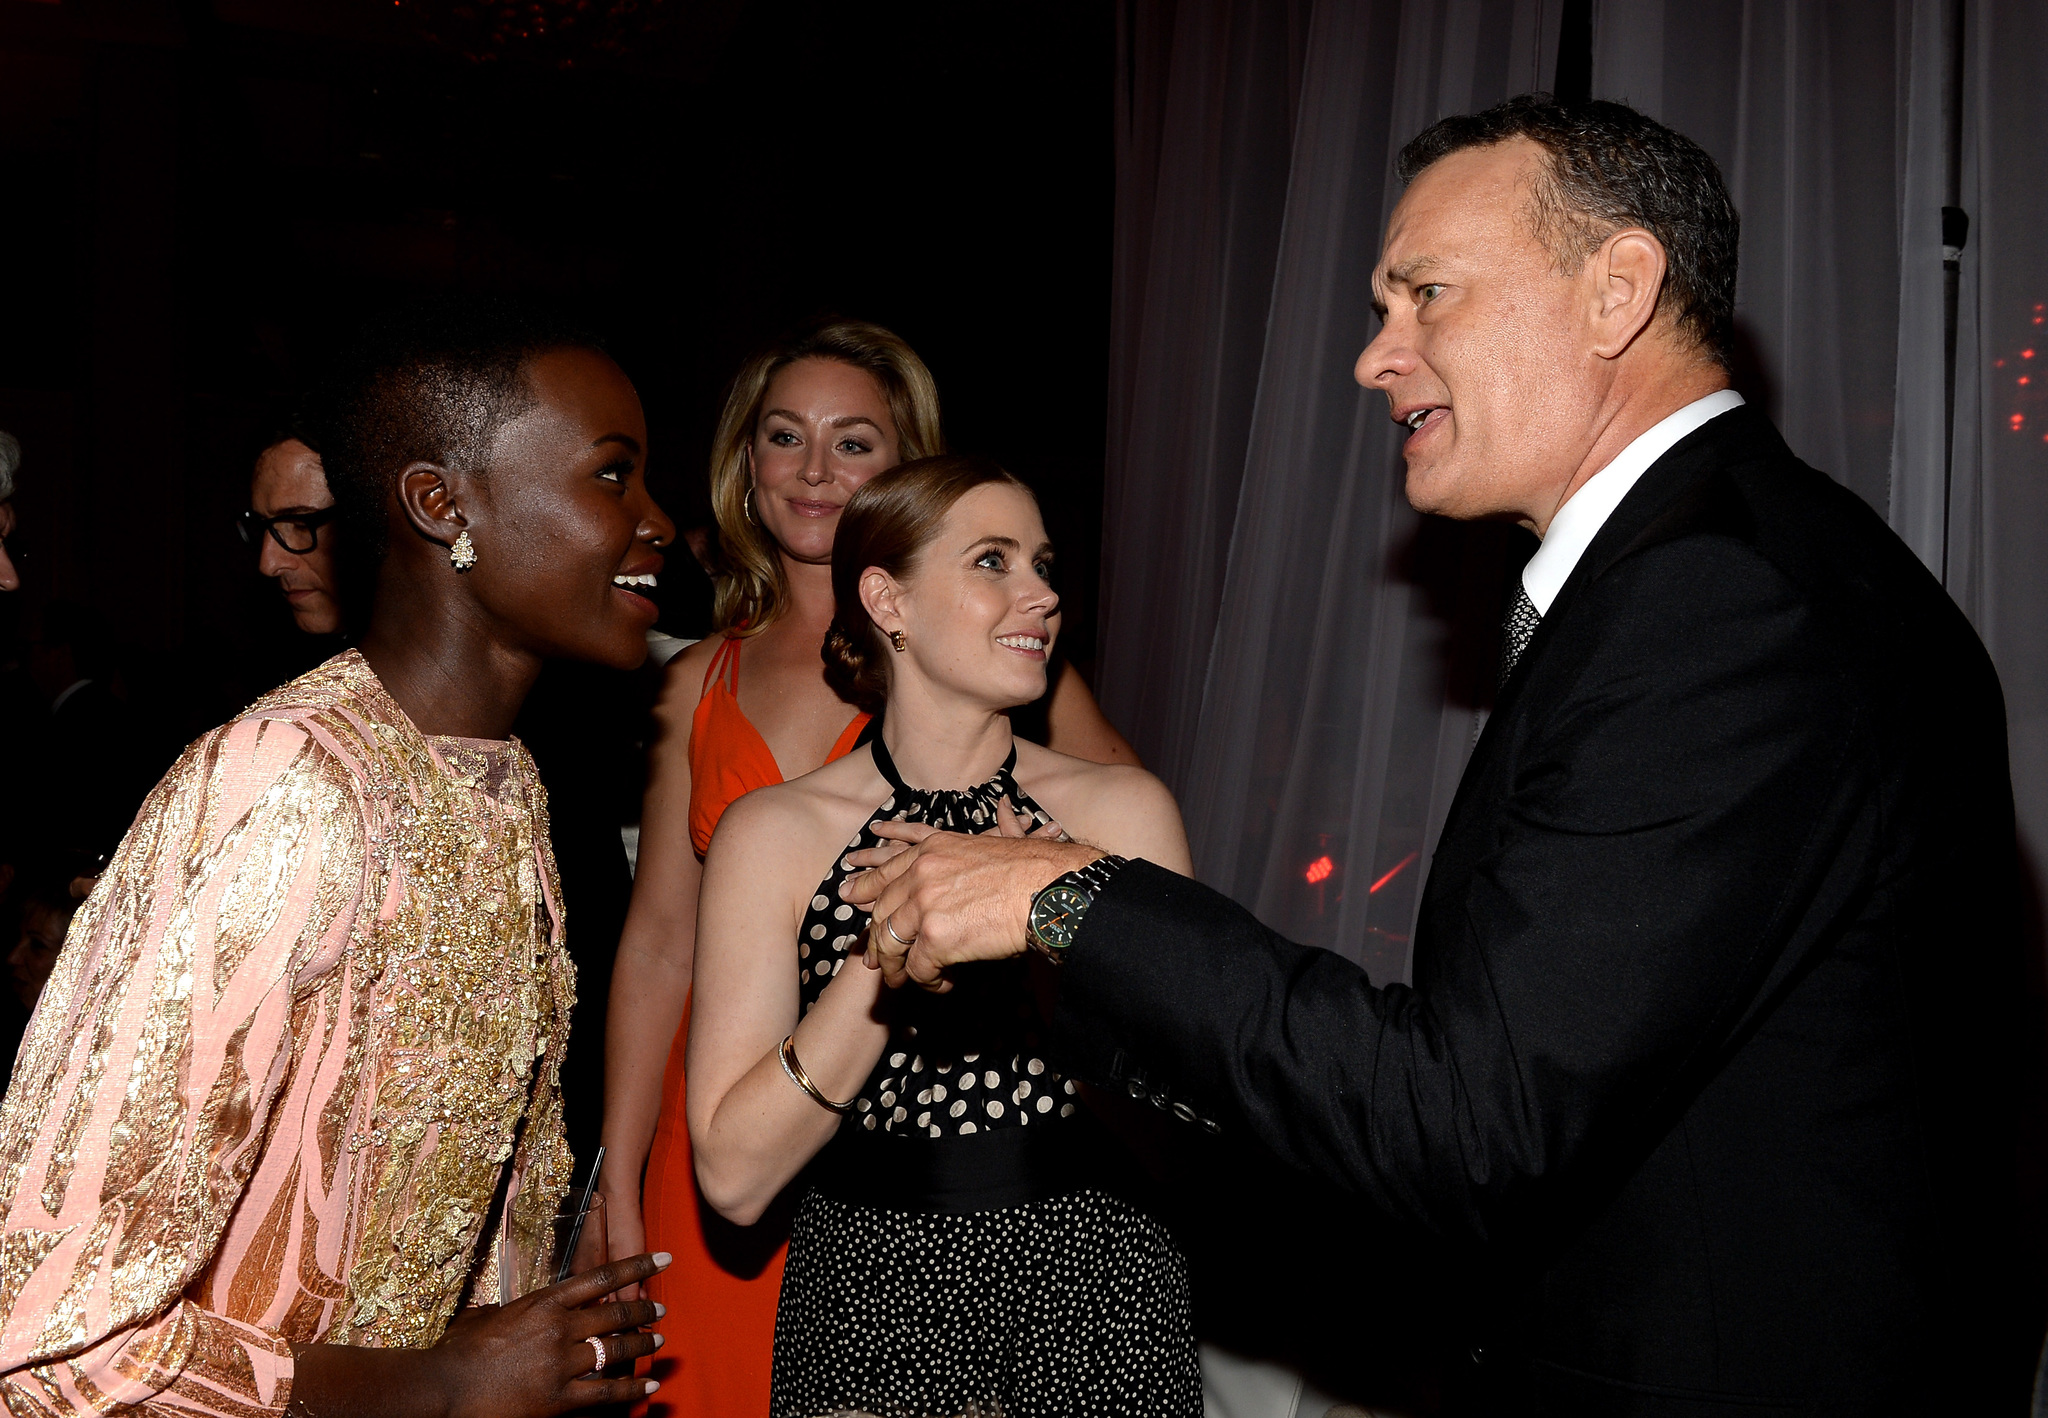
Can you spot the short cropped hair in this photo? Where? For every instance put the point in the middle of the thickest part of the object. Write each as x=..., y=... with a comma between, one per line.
x=432, y=384
x=10, y=463
x=1611, y=167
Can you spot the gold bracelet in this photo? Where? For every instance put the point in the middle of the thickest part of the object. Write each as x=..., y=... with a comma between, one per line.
x=802, y=1080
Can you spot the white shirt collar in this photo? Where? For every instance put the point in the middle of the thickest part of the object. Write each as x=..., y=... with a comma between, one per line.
x=1586, y=511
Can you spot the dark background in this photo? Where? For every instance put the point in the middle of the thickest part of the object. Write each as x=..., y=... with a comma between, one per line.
x=197, y=198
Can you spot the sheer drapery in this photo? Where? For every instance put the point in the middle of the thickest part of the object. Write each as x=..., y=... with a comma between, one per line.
x=1299, y=654
x=1280, y=631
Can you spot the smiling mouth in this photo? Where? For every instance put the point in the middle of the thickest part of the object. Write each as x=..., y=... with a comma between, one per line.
x=1420, y=421
x=1030, y=644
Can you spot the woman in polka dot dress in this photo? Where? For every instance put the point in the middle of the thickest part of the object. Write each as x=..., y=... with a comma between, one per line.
x=969, y=1241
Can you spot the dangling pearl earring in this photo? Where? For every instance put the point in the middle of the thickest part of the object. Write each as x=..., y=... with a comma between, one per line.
x=899, y=640
x=462, y=555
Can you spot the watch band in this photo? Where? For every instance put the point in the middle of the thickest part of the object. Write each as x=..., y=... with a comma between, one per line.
x=1089, y=879
x=1097, y=874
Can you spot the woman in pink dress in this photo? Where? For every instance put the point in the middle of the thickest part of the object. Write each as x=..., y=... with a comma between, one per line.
x=285, y=1134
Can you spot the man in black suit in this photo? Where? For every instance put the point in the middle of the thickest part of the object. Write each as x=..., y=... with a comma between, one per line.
x=1699, y=1075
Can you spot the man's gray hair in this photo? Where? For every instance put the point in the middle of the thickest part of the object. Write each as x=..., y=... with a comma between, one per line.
x=10, y=463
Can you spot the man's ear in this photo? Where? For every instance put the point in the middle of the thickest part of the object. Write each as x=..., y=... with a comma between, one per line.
x=1628, y=272
x=427, y=500
x=881, y=595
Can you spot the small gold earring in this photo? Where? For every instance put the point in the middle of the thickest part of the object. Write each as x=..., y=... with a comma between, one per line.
x=462, y=555
x=898, y=639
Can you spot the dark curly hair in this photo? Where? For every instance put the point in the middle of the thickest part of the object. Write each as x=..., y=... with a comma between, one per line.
x=887, y=522
x=1611, y=167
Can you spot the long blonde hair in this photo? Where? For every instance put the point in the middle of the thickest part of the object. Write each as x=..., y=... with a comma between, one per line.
x=752, y=591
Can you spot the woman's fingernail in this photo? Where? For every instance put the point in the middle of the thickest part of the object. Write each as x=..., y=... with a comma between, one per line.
x=659, y=1340
x=662, y=1259
x=651, y=1386
x=659, y=1309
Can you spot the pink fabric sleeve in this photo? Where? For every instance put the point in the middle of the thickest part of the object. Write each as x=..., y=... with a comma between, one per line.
x=141, y=1098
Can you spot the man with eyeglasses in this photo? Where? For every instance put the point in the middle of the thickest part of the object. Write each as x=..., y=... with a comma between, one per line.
x=290, y=522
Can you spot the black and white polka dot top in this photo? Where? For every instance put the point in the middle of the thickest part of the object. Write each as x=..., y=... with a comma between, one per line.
x=960, y=1063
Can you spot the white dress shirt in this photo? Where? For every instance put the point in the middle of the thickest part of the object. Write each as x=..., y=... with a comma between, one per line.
x=1586, y=511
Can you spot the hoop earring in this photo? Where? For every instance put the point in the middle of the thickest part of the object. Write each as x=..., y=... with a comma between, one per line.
x=747, y=504
x=462, y=555
x=899, y=640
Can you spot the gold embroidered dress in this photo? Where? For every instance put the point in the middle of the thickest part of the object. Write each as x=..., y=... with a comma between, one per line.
x=294, y=1077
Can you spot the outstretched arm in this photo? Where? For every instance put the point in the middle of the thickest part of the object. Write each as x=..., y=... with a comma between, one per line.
x=1648, y=872
x=1662, y=841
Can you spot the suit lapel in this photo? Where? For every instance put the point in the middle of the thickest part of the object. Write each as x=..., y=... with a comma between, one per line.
x=1678, y=493
x=1672, y=498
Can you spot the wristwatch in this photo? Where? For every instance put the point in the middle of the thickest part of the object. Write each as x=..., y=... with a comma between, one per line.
x=1058, y=909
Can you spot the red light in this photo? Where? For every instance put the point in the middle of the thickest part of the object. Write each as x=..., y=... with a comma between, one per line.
x=2026, y=379
x=1399, y=867
x=1998, y=364
x=1319, y=870
x=2017, y=421
x=2026, y=354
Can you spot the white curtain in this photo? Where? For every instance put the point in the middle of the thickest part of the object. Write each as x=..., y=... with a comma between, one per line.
x=1299, y=656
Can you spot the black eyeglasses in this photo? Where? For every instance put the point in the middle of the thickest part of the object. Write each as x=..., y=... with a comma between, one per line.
x=297, y=532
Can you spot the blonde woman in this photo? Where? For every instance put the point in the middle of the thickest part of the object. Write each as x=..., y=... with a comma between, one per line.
x=807, y=421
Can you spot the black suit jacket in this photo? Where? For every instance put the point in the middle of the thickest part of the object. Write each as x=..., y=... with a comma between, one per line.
x=1700, y=1073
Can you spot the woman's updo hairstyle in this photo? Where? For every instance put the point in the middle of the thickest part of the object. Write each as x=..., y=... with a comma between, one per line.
x=887, y=523
x=751, y=592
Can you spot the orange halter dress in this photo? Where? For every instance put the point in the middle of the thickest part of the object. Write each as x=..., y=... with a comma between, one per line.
x=722, y=1289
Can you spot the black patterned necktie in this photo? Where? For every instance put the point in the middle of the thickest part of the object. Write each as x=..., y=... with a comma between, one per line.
x=1523, y=618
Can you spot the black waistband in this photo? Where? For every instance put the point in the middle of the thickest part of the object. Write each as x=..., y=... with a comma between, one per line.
x=980, y=1172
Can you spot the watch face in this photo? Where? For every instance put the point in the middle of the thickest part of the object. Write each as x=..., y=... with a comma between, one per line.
x=1056, y=915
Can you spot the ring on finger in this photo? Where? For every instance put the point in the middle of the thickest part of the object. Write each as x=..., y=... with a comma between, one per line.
x=598, y=1345
x=889, y=925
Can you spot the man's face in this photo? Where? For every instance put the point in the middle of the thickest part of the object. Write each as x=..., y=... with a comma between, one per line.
x=9, y=579
x=1485, y=341
x=289, y=479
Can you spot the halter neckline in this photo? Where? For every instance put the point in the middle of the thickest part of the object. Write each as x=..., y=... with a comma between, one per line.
x=887, y=767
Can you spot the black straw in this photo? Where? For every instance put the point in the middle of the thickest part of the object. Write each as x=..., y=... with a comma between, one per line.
x=582, y=1212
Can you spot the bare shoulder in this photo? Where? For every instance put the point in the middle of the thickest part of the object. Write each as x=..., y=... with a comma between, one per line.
x=1119, y=806
x=808, y=817
x=1045, y=774
x=682, y=681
